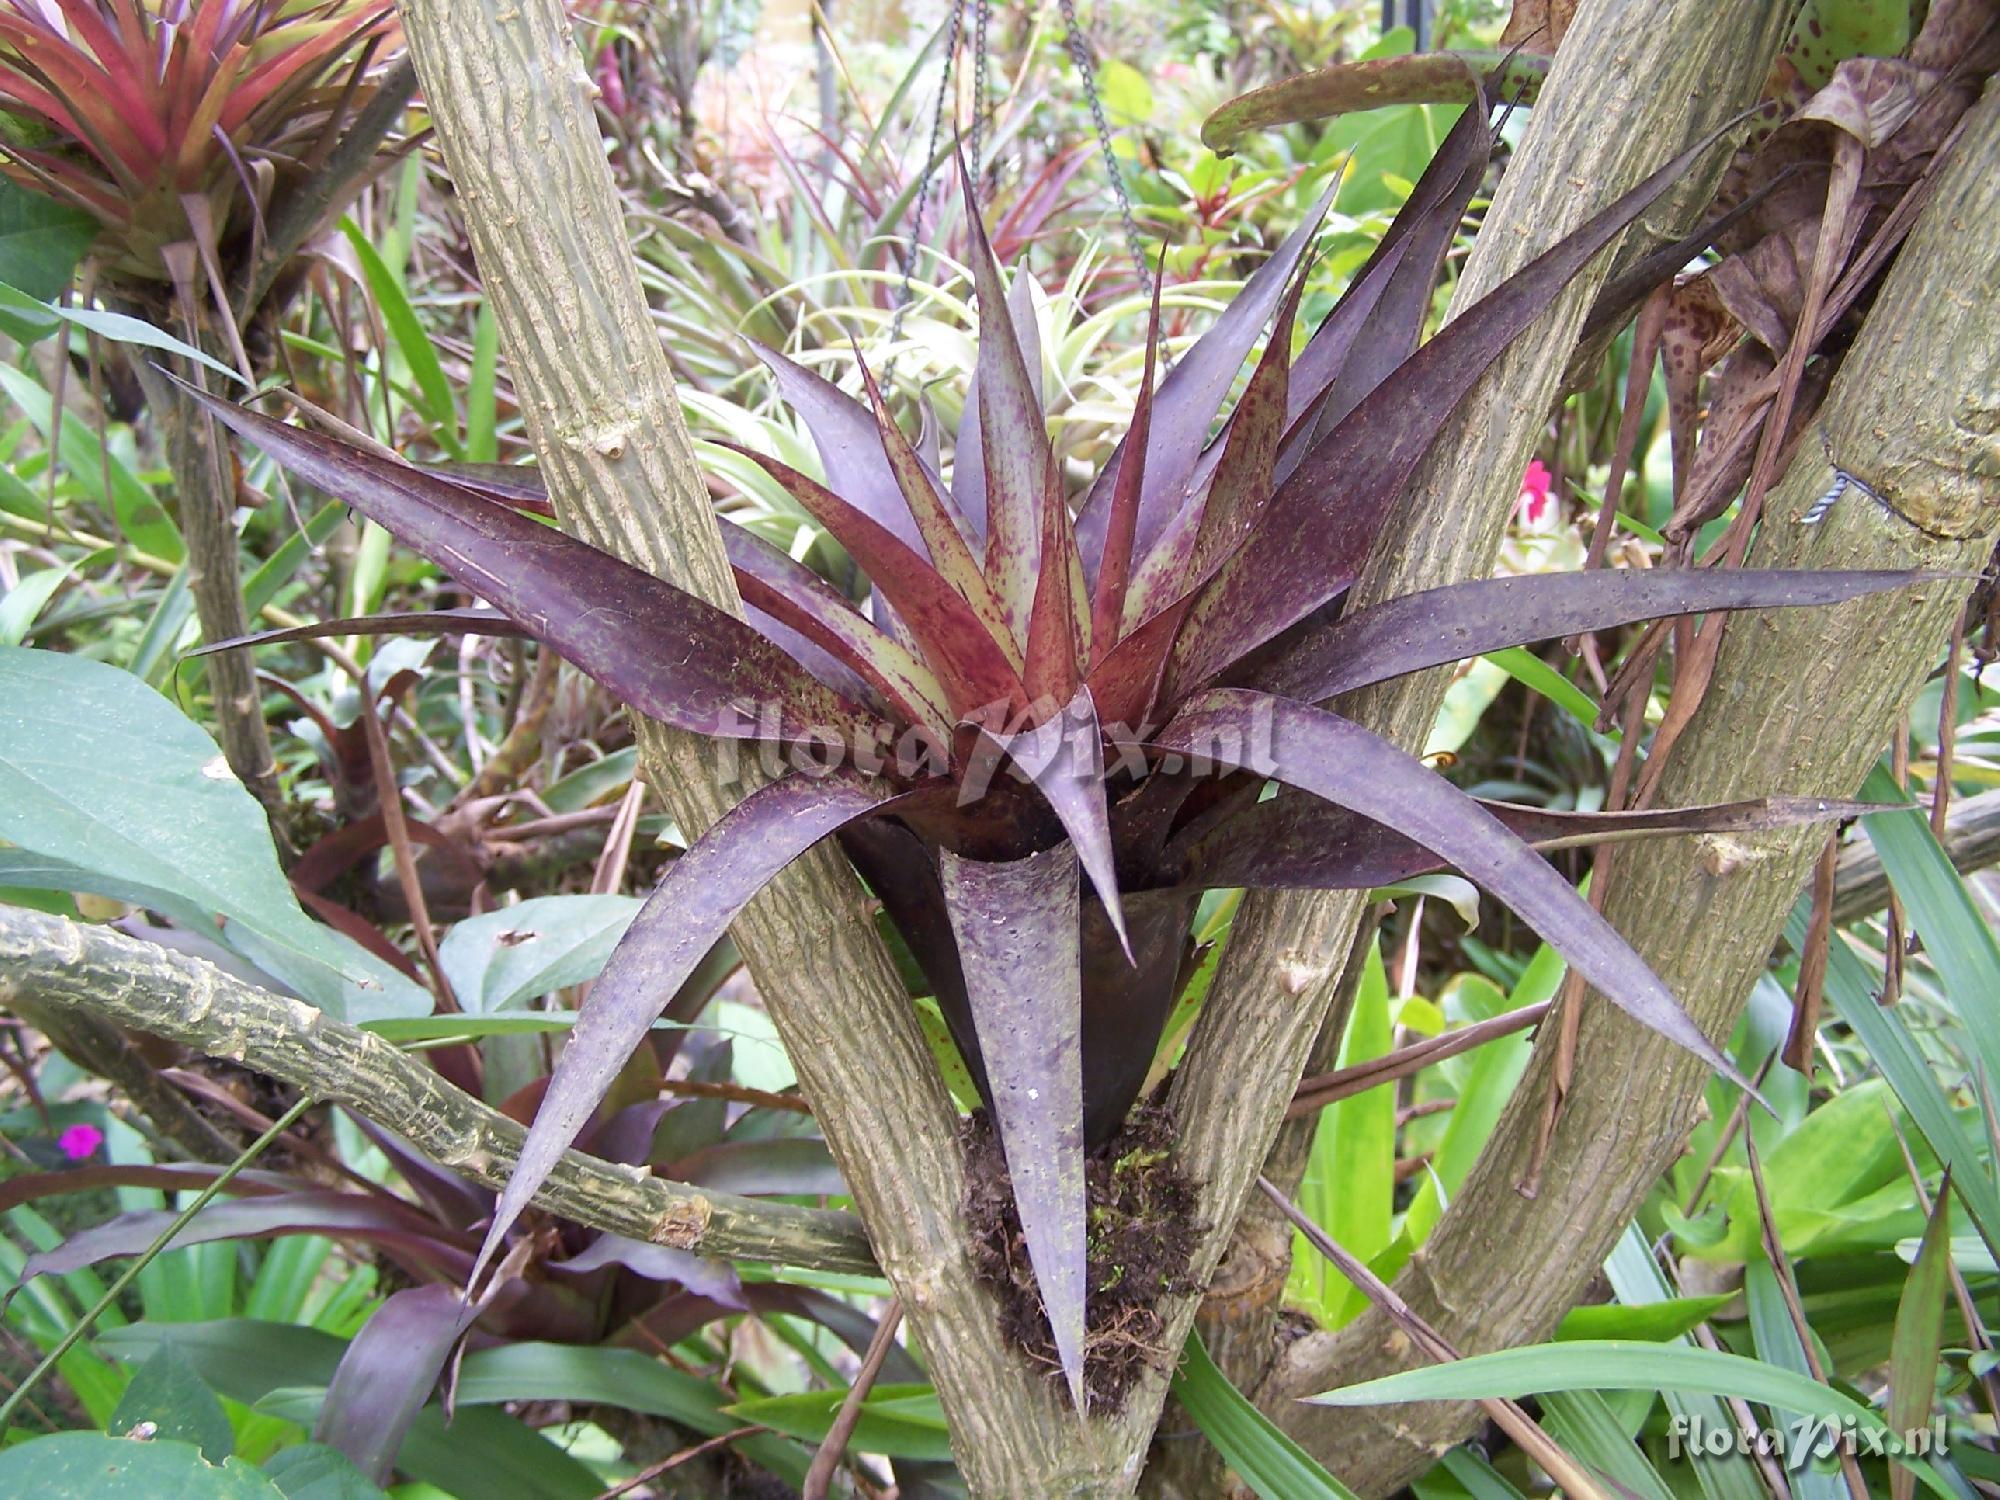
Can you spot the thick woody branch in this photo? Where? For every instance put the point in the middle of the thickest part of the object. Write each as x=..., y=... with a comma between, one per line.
x=1802, y=702
x=50, y=964
x=1666, y=73
x=509, y=93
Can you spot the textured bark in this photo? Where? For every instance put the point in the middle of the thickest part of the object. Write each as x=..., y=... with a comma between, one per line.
x=1633, y=83
x=72, y=974
x=1802, y=702
x=508, y=91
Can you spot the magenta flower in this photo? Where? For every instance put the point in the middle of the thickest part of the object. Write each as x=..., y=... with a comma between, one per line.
x=80, y=1142
x=1534, y=502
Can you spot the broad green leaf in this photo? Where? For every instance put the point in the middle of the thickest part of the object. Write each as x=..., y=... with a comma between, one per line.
x=1585, y=1426
x=1128, y=98
x=37, y=317
x=313, y=1471
x=1666, y=1319
x=167, y=1394
x=903, y=1421
x=99, y=772
x=41, y=241
x=1636, y=1280
x=92, y=1466
x=140, y=516
x=1350, y=1179
x=26, y=600
x=499, y=960
x=1895, y=1052
x=1941, y=911
x=1263, y=1457
x=1613, y=1365
x=1919, y=1335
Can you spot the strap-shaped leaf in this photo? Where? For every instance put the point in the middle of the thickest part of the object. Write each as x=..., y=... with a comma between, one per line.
x=669, y=655
x=1064, y=757
x=938, y=522
x=1022, y=486
x=386, y=1375
x=1364, y=345
x=1319, y=527
x=850, y=446
x=1462, y=620
x=687, y=913
x=1016, y=925
x=395, y=622
x=1298, y=841
x=1184, y=407
x=968, y=466
x=1121, y=530
x=796, y=596
x=1343, y=763
x=971, y=655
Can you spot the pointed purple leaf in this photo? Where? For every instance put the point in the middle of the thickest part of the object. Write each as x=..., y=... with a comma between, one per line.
x=1462, y=620
x=386, y=1375
x=967, y=649
x=796, y=596
x=1343, y=763
x=669, y=655
x=1114, y=565
x=1021, y=480
x=1185, y=405
x=850, y=446
x=1297, y=841
x=1319, y=527
x=517, y=485
x=1422, y=232
x=688, y=911
x=1016, y=925
x=1064, y=757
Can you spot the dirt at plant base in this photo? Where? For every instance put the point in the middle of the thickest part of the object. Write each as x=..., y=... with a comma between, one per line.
x=1142, y=1237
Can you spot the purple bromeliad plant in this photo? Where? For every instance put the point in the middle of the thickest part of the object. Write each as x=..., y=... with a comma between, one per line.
x=1137, y=665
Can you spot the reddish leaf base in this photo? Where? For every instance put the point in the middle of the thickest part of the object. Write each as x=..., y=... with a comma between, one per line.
x=1142, y=1236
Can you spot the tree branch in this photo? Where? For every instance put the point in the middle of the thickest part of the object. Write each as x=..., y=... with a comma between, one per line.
x=1803, y=702
x=509, y=93
x=1666, y=73
x=51, y=963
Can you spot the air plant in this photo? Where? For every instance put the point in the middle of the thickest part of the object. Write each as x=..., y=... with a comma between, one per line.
x=1050, y=729
x=172, y=120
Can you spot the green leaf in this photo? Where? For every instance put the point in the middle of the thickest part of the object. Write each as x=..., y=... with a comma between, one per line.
x=1919, y=1335
x=1613, y=1365
x=1666, y=1319
x=1128, y=98
x=314, y=1471
x=167, y=1392
x=23, y=602
x=98, y=472
x=41, y=240
x=37, y=317
x=101, y=774
x=1521, y=664
x=1263, y=1457
x=903, y=1421
x=1777, y=1342
x=1587, y=1428
x=1942, y=912
x=482, y=413
x=412, y=342
x=502, y=959
x=92, y=1466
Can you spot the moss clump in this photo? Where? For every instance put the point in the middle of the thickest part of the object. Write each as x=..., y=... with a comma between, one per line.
x=1142, y=1233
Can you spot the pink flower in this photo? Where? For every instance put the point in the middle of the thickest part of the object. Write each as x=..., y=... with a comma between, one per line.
x=1534, y=502
x=80, y=1142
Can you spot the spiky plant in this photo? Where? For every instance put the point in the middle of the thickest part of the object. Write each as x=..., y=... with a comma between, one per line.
x=1137, y=669
x=153, y=114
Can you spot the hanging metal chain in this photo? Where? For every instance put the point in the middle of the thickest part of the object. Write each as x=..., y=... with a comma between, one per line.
x=1079, y=52
x=982, y=13
x=908, y=289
